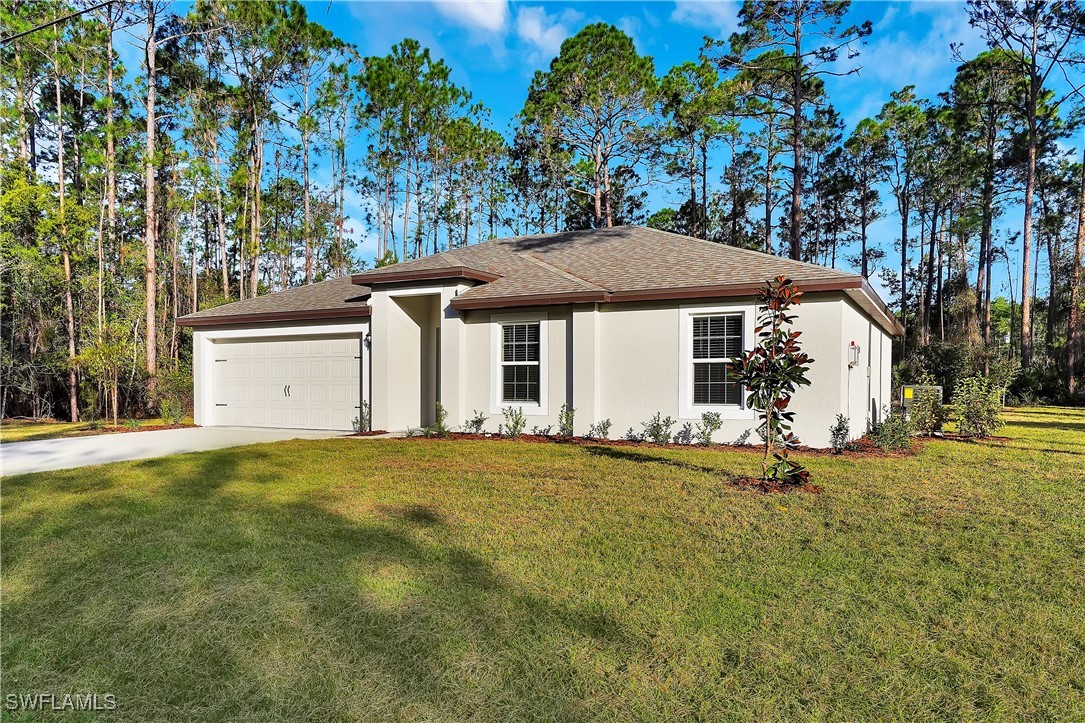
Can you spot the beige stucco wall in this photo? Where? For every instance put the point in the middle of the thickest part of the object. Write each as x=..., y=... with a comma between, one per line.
x=616, y=361
x=866, y=386
x=641, y=361
x=622, y=362
x=481, y=364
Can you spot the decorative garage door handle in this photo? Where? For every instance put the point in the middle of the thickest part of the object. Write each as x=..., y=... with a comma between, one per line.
x=286, y=390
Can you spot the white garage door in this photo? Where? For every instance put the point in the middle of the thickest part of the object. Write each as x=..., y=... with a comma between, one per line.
x=297, y=384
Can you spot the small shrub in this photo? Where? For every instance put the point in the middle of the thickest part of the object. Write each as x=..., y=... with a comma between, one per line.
x=894, y=432
x=514, y=422
x=977, y=403
x=95, y=423
x=173, y=394
x=657, y=430
x=542, y=431
x=439, y=428
x=839, y=434
x=565, y=420
x=927, y=412
x=710, y=423
x=365, y=422
x=632, y=436
x=475, y=422
x=743, y=440
x=599, y=430
x=685, y=434
x=415, y=432
x=132, y=424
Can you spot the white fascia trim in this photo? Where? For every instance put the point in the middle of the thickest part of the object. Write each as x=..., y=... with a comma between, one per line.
x=271, y=332
x=687, y=410
x=416, y=291
x=496, y=322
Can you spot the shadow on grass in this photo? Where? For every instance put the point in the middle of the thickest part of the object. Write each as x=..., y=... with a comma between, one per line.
x=218, y=603
x=1055, y=424
x=629, y=455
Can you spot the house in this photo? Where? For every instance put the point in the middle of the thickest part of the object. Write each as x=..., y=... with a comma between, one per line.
x=620, y=323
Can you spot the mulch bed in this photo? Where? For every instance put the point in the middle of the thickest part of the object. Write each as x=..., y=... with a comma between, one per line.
x=370, y=433
x=767, y=487
x=863, y=446
x=110, y=429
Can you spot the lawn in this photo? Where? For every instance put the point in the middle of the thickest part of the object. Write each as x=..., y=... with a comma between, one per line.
x=28, y=430
x=359, y=579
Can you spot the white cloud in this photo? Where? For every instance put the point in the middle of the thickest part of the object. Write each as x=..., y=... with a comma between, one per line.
x=720, y=17
x=543, y=31
x=631, y=26
x=487, y=15
x=899, y=58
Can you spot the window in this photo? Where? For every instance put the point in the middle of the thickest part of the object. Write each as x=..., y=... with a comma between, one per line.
x=520, y=356
x=716, y=339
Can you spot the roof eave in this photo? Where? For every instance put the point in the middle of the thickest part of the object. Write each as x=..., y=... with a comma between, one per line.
x=369, y=278
x=272, y=316
x=508, y=302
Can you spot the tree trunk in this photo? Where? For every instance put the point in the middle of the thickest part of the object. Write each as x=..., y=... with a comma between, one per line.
x=983, y=301
x=1073, y=332
x=796, y=147
x=221, y=223
x=905, y=213
x=150, y=236
x=69, y=306
x=1026, y=234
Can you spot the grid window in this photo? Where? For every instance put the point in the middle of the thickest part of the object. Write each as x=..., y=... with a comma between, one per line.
x=716, y=339
x=520, y=362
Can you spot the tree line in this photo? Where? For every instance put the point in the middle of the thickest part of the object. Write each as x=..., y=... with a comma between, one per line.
x=225, y=164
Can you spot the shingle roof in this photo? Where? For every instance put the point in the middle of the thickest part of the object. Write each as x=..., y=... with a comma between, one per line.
x=326, y=299
x=616, y=264
x=615, y=260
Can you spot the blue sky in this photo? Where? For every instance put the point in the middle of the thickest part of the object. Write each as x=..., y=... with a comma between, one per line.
x=494, y=47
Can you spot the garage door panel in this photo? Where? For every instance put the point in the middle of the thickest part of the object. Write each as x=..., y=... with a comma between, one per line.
x=323, y=376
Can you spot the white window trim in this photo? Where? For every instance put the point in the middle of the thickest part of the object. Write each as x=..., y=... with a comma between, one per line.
x=687, y=410
x=497, y=321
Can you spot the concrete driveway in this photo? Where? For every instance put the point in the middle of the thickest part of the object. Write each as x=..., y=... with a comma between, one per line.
x=49, y=454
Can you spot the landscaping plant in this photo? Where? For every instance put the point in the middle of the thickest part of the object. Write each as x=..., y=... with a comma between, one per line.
x=365, y=423
x=927, y=412
x=894, y=433
x=839, y=434
x=657, y=430
x=711, y=422
x=977, y=404
x=770, y=372
x=132, y=424
x=514, y=421
x=599, y=430
x=565, y=420
x=685, y=434
x=439, y=428
x=475, y=422
x=173, y=394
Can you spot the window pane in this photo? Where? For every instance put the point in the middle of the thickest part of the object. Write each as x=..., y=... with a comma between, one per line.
x=520, y=342
x=520, y=384
x=717, y=337
x=711, y=384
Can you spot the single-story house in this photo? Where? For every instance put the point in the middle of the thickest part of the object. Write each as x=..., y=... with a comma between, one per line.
x=620, y=323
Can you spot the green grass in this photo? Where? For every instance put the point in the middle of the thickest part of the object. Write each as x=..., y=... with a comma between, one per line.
x=435, y=580
x=25, y=430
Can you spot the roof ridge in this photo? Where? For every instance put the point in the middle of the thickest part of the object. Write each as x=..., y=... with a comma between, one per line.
x=564, y=273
